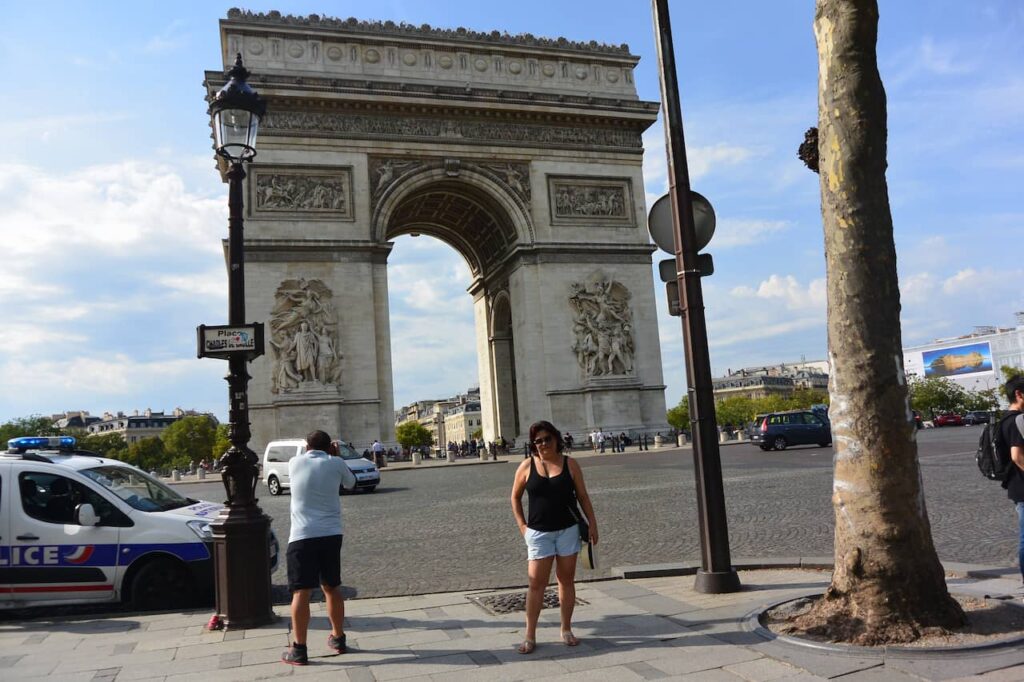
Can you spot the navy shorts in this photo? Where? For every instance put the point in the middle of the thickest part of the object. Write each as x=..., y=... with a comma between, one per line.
x=313, y=562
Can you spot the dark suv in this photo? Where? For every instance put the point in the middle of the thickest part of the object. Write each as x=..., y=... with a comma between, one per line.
x=977, y=417
x=779, y=430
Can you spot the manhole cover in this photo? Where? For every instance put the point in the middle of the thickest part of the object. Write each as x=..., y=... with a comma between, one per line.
x=510, y=602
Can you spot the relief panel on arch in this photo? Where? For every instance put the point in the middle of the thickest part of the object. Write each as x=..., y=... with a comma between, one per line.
x=301, y=192
x=591, y=201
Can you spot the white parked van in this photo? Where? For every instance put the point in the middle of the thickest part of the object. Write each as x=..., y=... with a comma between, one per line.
x=79, y=528
x=279, y=452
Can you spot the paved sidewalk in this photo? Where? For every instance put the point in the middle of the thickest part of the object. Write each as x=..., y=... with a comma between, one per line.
x=632, y=629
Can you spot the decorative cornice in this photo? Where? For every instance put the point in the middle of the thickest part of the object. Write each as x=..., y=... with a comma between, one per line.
x=442, y=94
x=402, y=29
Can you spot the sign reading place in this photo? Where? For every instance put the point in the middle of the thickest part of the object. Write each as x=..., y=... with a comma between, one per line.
x=225, y=341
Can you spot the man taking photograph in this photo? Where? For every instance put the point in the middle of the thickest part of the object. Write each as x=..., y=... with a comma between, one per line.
x=314, y=545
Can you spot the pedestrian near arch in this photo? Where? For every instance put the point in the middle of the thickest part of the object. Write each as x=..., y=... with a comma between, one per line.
x=553, y=483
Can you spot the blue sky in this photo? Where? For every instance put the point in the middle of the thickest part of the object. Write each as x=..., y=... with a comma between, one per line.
x=111, y=212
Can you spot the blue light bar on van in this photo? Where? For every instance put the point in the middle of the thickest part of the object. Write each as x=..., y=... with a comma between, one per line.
x=41, y=442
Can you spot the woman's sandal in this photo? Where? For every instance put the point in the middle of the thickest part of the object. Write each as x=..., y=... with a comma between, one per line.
x=527, y=646
x=569, y=638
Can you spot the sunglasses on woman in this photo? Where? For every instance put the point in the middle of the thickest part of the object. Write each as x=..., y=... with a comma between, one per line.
x=544, y=441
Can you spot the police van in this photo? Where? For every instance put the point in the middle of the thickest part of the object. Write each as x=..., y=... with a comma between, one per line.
x=79, y=528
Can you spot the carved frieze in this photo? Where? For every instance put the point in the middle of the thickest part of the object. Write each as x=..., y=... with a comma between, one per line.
x=398, y=127
x=603, y=328
x=304, y=338
x=591, y=201
x=301, y=192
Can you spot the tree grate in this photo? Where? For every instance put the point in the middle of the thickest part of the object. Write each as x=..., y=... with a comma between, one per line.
x=510, y=602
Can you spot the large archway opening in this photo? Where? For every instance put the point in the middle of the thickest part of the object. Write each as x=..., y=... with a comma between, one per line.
x=430, y=324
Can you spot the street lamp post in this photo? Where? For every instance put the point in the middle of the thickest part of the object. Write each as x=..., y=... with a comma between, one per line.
x=717, y=574
x=241, y=532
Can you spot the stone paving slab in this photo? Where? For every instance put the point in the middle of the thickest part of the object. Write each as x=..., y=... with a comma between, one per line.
x=643, y=629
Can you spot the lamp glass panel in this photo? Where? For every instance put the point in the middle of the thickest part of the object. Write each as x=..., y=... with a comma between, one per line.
x=235, y=130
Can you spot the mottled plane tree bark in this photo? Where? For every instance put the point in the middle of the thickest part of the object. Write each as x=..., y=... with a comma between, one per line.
x=888, y=584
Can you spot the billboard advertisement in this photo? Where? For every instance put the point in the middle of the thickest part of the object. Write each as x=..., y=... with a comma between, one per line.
x=957, y=361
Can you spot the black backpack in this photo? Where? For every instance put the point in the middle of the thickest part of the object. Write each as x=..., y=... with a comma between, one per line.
x=993, y=455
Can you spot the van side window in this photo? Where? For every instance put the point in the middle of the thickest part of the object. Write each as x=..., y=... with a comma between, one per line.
x=52, y=499
x=280, y=453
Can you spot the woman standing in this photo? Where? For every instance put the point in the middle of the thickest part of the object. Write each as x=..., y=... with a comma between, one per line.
x=553, y=482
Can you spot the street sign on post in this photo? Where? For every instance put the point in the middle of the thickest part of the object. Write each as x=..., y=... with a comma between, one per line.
x=225, y=341
x=672, y=289
x=661, y=227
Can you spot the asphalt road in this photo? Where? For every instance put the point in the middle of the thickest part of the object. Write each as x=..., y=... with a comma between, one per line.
x=442, y=529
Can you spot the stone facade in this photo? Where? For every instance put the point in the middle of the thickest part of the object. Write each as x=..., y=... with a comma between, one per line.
x=522, y=153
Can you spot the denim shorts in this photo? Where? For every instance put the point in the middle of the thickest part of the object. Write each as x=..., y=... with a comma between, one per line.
x=542, y=544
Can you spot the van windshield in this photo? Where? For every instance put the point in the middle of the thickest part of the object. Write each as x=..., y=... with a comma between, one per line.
x=141, y=491
x=347, y=451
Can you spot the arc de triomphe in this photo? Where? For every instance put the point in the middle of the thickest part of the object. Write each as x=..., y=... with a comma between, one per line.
x=524, y=154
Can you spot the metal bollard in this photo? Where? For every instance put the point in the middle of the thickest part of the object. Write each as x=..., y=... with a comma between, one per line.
x=175, y=475
x=416, y=458
x=202, y=474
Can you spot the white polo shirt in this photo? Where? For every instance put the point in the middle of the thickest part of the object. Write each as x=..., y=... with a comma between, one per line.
x=315, y=479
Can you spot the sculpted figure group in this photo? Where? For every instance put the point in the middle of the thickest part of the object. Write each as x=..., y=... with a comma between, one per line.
x=603, y=328
x=302, y=337
x=297, y=192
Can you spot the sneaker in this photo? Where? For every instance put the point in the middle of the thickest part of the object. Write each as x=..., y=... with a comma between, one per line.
x=295, y=655
x=336, y=643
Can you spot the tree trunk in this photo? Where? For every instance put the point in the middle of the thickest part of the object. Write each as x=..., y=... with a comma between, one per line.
x=888, y=584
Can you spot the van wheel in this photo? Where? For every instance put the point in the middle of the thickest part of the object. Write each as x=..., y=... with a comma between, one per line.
x=779, y=443
x=274, y=485
x=160, y=584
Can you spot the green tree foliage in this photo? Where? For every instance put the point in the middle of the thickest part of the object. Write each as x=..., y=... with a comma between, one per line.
x=411, y=434
x=740, y=410
x=106, y=444
x=1009, y=371
x=478, y=434
x=221, y=442
x=941, y=394
x=148, y=454
x=189, y=439
x=679, y=416
x=34, y=425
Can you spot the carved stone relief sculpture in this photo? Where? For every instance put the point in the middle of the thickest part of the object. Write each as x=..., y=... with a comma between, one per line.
x=394, y=126
x=590, y=201
x=293, y=191
x=603, y=328
x=304, y=338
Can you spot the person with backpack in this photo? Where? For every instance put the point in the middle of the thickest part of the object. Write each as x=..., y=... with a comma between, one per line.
x=1011, y=433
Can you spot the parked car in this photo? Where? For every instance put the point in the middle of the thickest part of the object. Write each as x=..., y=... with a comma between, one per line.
x=278, y=452
x=949, y=419
x=779, y=430
x=977, y=417
x=79, y=528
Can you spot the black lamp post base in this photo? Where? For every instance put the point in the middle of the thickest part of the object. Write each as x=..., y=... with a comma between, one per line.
x=717, y=582
x=241, y=565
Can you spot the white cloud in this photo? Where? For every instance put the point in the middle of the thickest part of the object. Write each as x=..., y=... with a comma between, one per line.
x=732, y=233
x=789, y=291
x=114, y=375
x=117, y=208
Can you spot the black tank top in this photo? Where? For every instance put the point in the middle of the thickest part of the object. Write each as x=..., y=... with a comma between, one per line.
x=550, y=498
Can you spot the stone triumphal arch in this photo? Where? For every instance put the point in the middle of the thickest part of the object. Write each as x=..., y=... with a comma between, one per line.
x=522, y=153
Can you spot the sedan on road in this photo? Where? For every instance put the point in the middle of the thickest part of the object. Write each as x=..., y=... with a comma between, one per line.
x=950, y=419
x=977, y=417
